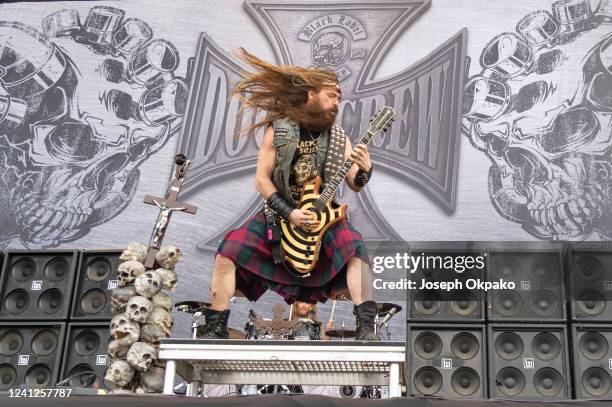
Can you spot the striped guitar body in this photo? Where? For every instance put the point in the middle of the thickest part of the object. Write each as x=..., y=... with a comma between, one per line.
x=300, y=246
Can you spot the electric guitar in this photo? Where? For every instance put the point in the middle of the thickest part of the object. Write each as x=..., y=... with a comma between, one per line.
x=301, y=246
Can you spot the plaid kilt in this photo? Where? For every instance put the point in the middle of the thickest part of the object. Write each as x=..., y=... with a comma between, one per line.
x=256, y=271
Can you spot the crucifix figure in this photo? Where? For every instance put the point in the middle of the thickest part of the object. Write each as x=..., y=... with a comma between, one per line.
x=166, y=206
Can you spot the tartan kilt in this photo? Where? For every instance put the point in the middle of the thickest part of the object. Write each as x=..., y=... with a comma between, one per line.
x=256, y=272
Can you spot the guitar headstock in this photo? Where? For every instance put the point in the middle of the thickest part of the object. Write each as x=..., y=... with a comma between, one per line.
x=382, y=120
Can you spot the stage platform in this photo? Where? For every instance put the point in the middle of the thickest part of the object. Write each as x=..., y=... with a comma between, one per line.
x=274, y=400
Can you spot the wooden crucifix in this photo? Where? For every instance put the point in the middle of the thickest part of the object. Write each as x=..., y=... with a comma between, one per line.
x=166, y=206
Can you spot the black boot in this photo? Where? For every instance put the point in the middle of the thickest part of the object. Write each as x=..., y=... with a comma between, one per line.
x=215, y=326
x=365, y=312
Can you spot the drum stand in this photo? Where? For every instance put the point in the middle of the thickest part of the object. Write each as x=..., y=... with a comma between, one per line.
x=193, y=388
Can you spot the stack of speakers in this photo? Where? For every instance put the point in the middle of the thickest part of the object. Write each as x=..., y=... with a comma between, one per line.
x=527, y=360
x=447, y=357
x=590, y=282
x=55, y=316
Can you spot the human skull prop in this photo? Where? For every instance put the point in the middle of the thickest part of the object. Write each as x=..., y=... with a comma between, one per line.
x=139, y=309
x=124, y=329
x=161, y=318
x=168, y=279
x=120, y=297
x=148, y=284
x=135, y=251
x=152, y=381
x=162, y=300
x=118, y=348
x=541, y=110
x=168, y=257
x=141, y=356
x=330, y=48
x=151, y=333
x=128, y=271
x=120, y=373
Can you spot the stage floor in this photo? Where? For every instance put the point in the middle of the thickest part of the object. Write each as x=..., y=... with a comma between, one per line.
x=274, y=400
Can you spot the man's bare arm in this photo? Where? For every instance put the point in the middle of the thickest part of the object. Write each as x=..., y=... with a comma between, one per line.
x=265, y=165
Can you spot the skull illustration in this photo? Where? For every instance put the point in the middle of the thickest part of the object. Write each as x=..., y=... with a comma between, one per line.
x=161, y=318
x=152, y=381
x=330, y=48
x=141, y=356
x=120, y=297
x=135, y=251
x=151, y=333
x=163, y=301
x=120, y=373
x=148, y=284
x=139, y=309
x=118, y=348
x=168, y=279
x=124, y=330
x=541, y=110
x=168, y=257
x=71, y=142
x=128, y=271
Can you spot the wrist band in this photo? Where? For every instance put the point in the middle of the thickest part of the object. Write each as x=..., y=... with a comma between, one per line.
x=279, y=205
x=362, y=177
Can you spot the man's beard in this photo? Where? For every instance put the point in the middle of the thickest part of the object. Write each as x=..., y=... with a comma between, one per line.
x=319, y=120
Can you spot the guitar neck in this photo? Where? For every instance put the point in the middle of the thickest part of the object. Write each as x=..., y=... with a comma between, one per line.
x=336, y=180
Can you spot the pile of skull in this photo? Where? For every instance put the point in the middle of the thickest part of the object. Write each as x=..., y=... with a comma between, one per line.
x=141, y=319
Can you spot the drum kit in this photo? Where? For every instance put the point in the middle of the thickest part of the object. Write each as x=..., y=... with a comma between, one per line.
x=279, y=328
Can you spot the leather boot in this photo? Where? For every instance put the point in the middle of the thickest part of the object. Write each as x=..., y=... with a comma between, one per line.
x=215, y=326
x=365, y=314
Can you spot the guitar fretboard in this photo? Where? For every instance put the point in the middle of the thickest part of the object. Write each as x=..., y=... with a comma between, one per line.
x=334, y=183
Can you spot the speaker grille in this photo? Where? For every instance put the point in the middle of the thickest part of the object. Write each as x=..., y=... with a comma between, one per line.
x=84, y=359
x=30, y=353
x=37, y=285
x=539, y=291
x=590, y=271
x=528, y=361
x=592, y=365
x=445, y=361
x=457, y=305
x=97, y=277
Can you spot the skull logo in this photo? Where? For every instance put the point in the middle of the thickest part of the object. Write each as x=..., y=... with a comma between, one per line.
x=330, y=48
x=541, y=110
x=139, y=309
x=70, y=141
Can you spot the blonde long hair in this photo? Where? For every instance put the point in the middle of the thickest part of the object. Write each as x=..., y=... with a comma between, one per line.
x=281, y=91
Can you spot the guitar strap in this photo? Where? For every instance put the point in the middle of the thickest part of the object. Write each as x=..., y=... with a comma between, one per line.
x=335, y=152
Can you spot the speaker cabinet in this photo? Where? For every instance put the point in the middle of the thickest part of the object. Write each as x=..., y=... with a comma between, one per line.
x=446, y=361
x=447, y=304
x=590, y=288
x=85, y=351
x=37, y=285
x=96, y=278
x=528, y=361
x=30, y=354
x=539, y=288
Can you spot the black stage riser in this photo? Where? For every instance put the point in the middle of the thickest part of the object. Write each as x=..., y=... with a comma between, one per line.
x=96, y=278
x=528, y=362
x=37, y=285
x=446, y=361
x=30, y=353
x=539, y=294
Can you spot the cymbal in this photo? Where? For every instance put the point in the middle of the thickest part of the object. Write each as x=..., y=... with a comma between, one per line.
x=385, y=307
x=340, y=333
x=236, y=334
x=191, y=307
